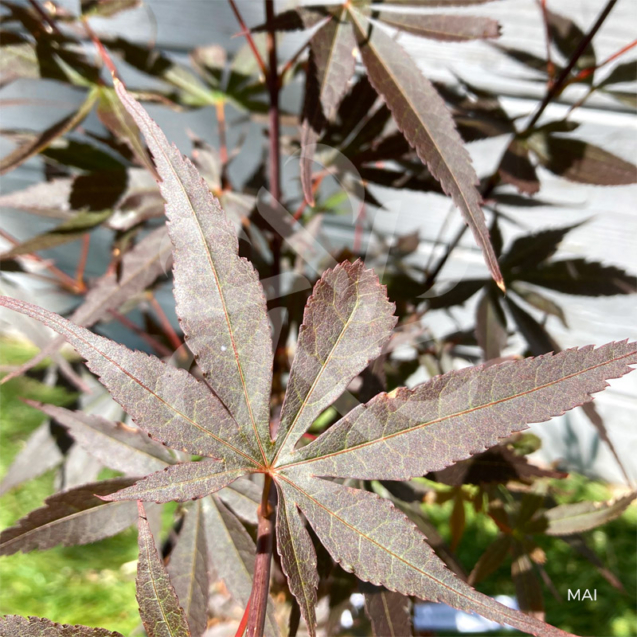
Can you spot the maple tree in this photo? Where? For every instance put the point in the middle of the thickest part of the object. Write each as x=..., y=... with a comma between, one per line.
x=249, y=443
x=395, y=436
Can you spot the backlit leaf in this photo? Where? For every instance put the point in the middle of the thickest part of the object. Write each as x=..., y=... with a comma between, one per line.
x=15, y=626
x=566, y=519
x=354, y=526
x=220, y=301
x=347, y=320
x=188, y=569
x=527, y=585
x=423, y=118
x=159, y=607
x=516, y=168
x=491, y=332
x=491, y=559
x=75, y=516
x=422, y=429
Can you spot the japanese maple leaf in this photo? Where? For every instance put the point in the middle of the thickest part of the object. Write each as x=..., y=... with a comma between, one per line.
x=394, y=436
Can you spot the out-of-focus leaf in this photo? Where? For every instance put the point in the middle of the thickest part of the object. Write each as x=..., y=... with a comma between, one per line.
x=331, y=68
x=39, y=454
x=86, y=156
x=347, y=320
x=626, y=72
x=528, y=251
x=448, y=28
x=491, y=332
x=627, y=98
x=566, y=519
x=298, y=559
x=71, y=230
x=25, y=151
x=231, y=553
x=538, y=339
x=114, y=116
x=76, y=516
x=242, y=497
x=159, y=607
x=18, y=58
x=16, y=626
x=182, y=482
x=540, y=302
x=483, y=399
x=596, y=420
x=521, y=56
x=114, y=445
x=422, y=116
x=107, y=8
x=458, y=294
x=527, y=585
x=582, y=162
x=491, y=559
x=47, y=199
x=99, y=191
x=166, y=402
x=389, y=612
x=188, y=569
x=496, y=465
x=578, y=543
x=566, y=36
x=516, y=168
x=296, y=19
x=578, y=276
x=220, y=302
x=347, y=521
x=435, y=3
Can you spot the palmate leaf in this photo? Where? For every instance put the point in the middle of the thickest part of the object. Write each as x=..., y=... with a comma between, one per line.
x=423, y=118
x=159, y=607
x=15, y=626
x=75, y=516
x=220, y=302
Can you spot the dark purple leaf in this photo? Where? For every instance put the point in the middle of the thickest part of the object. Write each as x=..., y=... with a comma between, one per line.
x=389, y=612
x=107, y=8
x=448, y=28
x=15, y=626
x=516, y=168
x=423, y=118
x=528, y=588
x=331, y=68
x=76, y=516
x=457, y=295
x=491, y=559
x=220, y=301
x=538, y=339
x=626, y=72
x=491, y=331
x=540, y=302
x=354, y=526
x=296, y=19
x=582, y=162
x=421, y=430
x=347, y=321
x=159, y=607
x=188, y=569
x=578, y=276
x=567, y=36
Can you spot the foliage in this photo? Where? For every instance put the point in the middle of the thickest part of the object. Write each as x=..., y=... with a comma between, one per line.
x=249, y=441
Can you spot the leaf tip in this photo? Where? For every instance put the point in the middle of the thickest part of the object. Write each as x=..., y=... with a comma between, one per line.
x=500, y=283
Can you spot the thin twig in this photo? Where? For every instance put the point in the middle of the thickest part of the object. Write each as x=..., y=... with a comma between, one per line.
x=160, y=348
x=81, y=266
x=244, y=621
x=169, y=330
x=550, y=67
x=221, y=123
x=45, y=16
x=291, y=62
x=248, y=36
